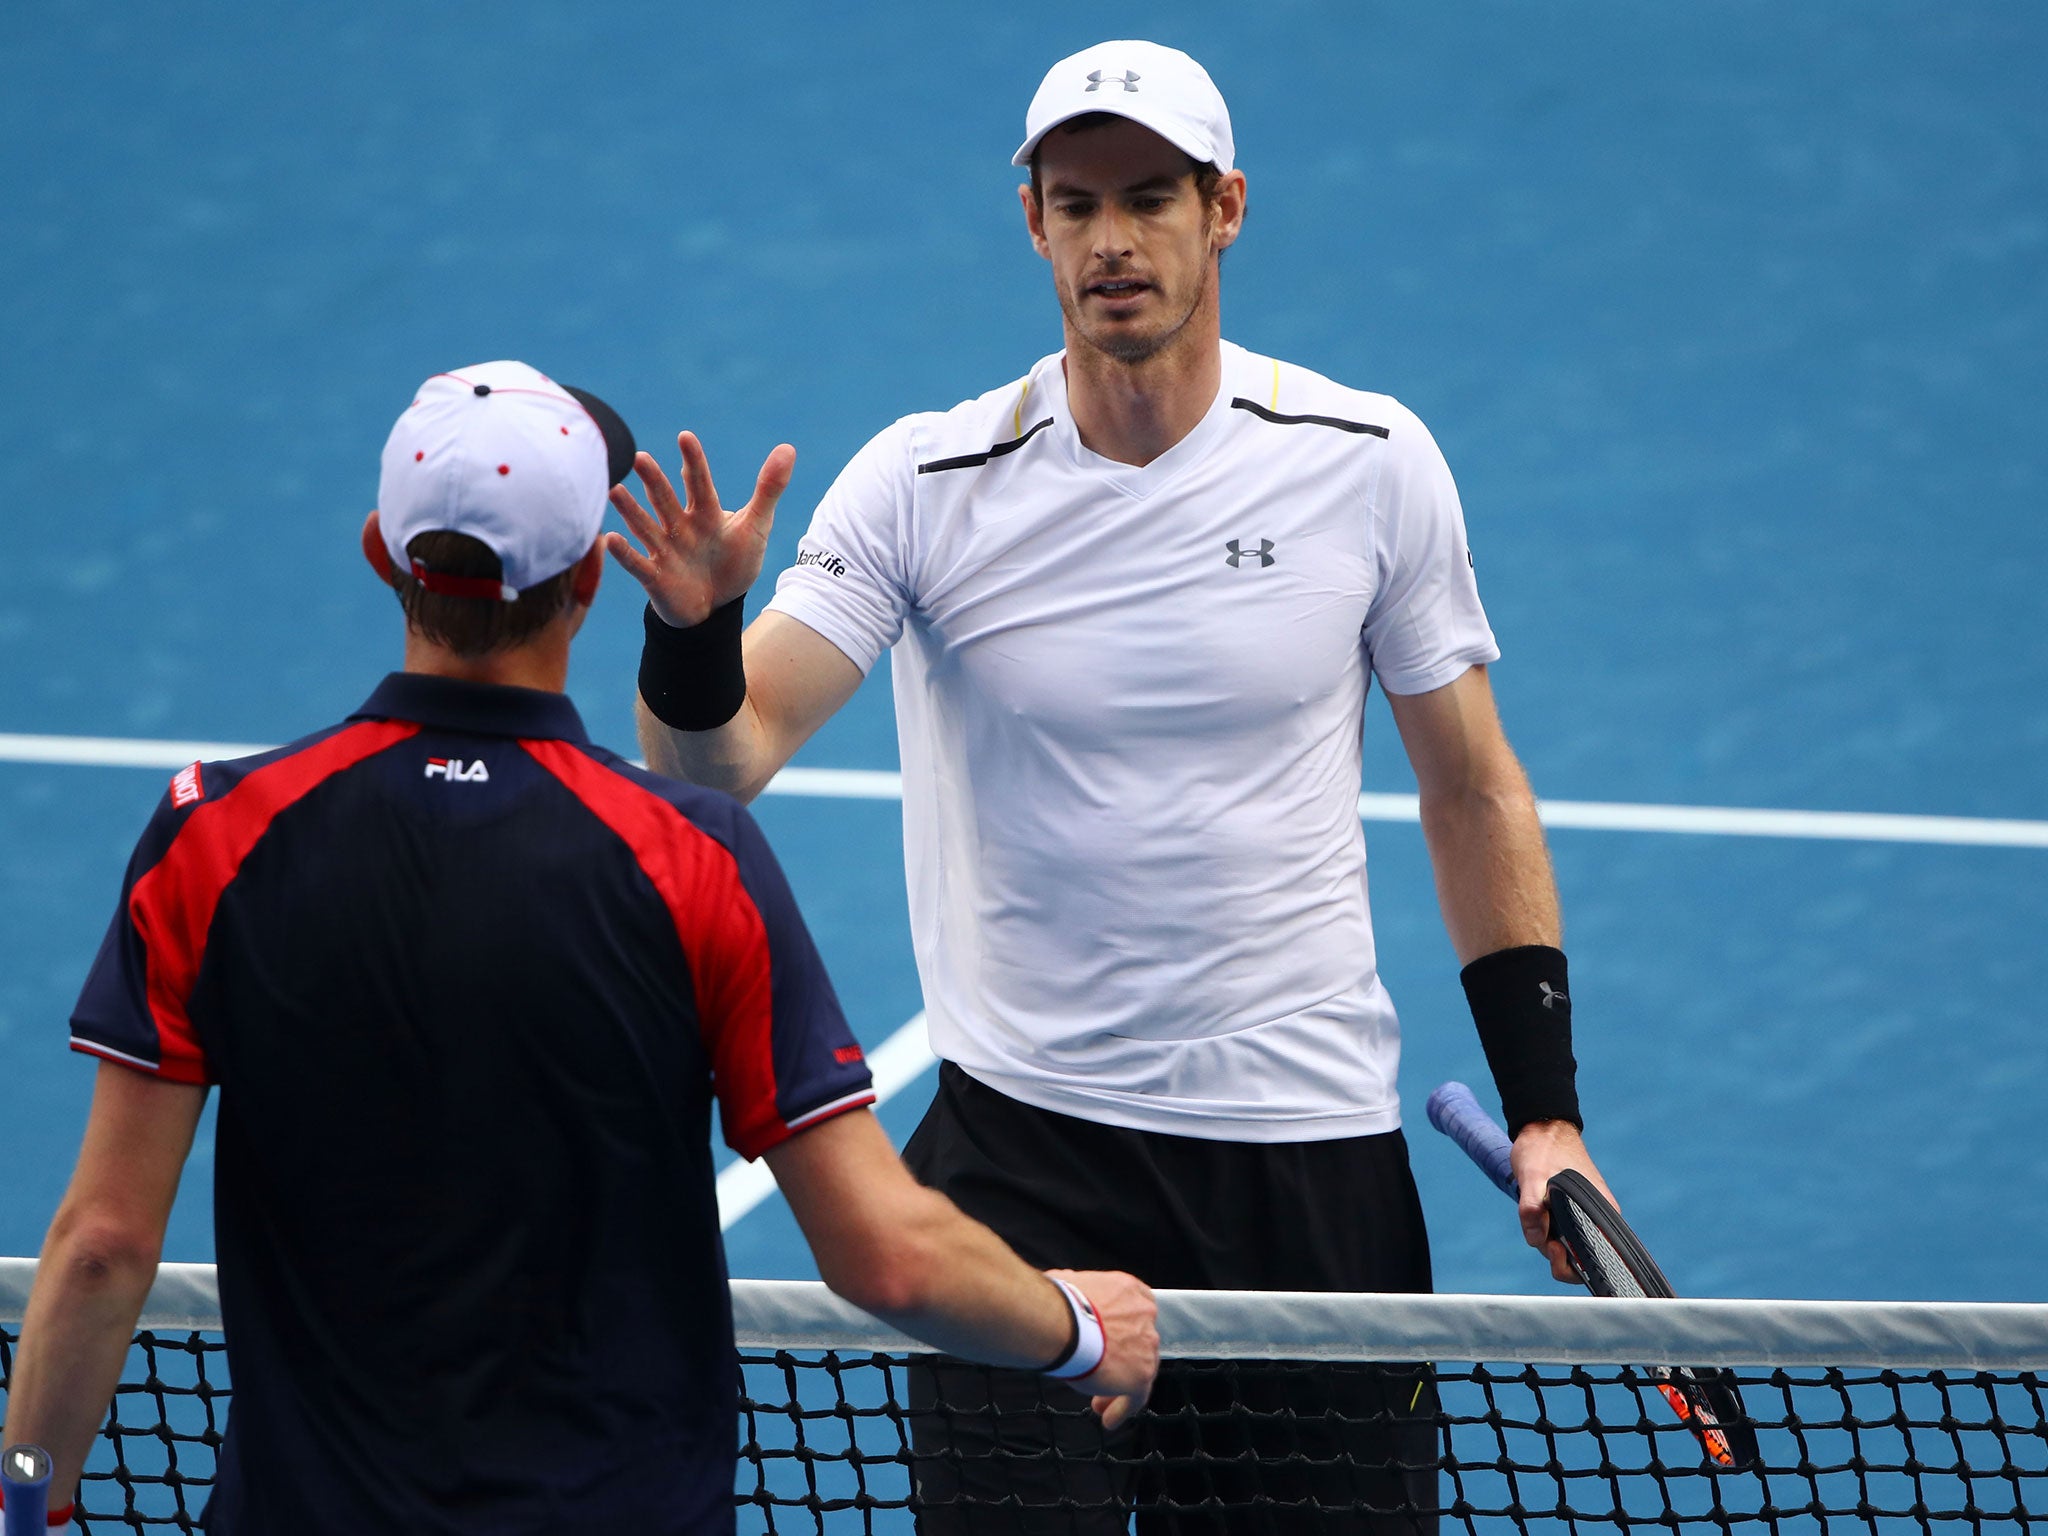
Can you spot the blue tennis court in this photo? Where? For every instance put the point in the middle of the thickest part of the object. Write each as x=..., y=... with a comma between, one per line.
x=1732, y=320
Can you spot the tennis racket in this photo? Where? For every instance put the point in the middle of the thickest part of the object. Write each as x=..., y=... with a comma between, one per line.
x=1610, y=1260
x=25, y=1479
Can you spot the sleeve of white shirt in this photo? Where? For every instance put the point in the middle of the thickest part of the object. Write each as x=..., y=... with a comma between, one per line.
x=851, y=580
x=1425, y=626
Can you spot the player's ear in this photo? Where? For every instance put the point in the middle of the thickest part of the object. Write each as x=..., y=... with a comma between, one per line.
x=1227, y=210
x=589, y=571
x=1034, y=220
x=374, y=550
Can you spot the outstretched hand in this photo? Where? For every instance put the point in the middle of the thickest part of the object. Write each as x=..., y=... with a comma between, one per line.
x=698, y=557
x=1130, y=1354
x=1545, y=1147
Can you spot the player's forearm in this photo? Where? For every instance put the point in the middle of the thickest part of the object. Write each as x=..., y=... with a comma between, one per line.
x=794, y=680
x=908, y=1254
x=1493, y=874
x=734, y=757
x=946, y=1279
x=90, y=1287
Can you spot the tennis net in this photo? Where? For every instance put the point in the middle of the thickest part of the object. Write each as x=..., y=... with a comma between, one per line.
x=1293, y=1413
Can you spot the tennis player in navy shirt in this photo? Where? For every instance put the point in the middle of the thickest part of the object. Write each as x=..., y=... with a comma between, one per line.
x=469, y=985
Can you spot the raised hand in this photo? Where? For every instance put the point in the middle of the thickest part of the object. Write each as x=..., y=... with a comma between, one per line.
x=698, y=557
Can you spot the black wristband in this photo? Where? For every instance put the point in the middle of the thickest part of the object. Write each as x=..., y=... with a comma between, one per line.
x=1524, y=1015
x=692, y=679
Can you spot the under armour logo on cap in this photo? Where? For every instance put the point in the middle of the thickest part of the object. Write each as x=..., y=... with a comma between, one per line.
x=1263, y=554
x=1178, y=101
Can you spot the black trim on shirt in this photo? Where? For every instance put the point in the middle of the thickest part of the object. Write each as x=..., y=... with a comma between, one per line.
x=1341, y=425
x=976, y=460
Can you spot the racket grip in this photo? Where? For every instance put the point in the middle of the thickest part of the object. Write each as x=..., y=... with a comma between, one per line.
x=25, y=1481
x=1453, y=1110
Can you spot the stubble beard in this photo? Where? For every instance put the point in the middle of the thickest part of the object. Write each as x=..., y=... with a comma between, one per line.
x=1129, y=347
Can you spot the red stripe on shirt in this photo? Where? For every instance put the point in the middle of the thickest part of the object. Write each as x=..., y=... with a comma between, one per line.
x=724, y=940
x=172, y=905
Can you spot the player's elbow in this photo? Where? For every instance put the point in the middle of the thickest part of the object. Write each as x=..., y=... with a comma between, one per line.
x=92, y=1250
x=885, y=1275
x=892, y=1265
x=884, y=1292
x=1483, y=801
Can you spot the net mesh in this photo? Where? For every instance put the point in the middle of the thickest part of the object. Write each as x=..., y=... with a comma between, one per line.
x=854, y=1439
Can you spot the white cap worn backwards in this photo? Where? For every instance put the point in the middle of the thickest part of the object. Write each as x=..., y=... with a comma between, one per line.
x=1161, y=88
x=501, y=452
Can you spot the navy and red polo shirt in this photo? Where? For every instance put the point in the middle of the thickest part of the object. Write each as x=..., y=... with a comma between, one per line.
x=468, y=985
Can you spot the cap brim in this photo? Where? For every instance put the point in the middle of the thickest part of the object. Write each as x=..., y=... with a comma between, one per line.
x=619, y=447
x=1024, y=150
x=1023, y=155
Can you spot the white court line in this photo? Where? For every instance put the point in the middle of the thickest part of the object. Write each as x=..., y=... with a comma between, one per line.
x=836, y=783
x=118, y=751
x=877, y=784
x=895, y=1064
x=1735, y=821
x=905, y=1056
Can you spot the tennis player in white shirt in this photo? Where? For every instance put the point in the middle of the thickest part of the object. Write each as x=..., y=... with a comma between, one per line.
x=1136, y=599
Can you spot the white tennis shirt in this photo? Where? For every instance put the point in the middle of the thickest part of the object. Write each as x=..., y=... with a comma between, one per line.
x=1129, y=703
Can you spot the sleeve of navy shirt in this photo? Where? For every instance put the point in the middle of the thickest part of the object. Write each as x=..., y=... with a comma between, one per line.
x=115, y=1019
x=786, y=1060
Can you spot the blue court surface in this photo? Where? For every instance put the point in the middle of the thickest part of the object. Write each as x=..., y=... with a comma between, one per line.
x=1732, y=319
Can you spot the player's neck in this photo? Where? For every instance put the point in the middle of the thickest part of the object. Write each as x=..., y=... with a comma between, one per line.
x=543, y=663
x=1133, y=412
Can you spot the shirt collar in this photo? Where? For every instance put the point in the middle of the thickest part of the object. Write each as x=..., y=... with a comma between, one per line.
x=481, y=709
x=1134, y=480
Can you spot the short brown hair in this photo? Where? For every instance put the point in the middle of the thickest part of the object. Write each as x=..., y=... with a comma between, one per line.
x=474, y=626
x=1207, y=176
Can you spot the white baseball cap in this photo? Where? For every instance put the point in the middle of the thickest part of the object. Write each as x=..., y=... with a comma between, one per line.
x=1160, y=87
x=501, y=452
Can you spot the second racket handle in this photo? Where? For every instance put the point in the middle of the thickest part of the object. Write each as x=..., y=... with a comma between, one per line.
x=25, y=1490
x=1453, y=1110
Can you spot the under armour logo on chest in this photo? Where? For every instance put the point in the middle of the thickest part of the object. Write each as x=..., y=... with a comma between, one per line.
x=1128, y=79
x=1238, y=555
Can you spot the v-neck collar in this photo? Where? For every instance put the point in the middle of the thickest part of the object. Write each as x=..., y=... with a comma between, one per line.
x=1137, y=481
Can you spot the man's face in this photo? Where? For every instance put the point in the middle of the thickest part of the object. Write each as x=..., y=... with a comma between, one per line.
x=1131, y=241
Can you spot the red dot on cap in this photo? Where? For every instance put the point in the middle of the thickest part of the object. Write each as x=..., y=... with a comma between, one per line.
x=504, y=469
x=420, y=455
x=565, y=431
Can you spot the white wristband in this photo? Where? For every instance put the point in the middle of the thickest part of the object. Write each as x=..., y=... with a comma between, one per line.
x=1089, y=1342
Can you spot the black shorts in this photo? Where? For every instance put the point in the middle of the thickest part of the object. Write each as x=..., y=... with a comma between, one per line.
x=1022, y=1455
